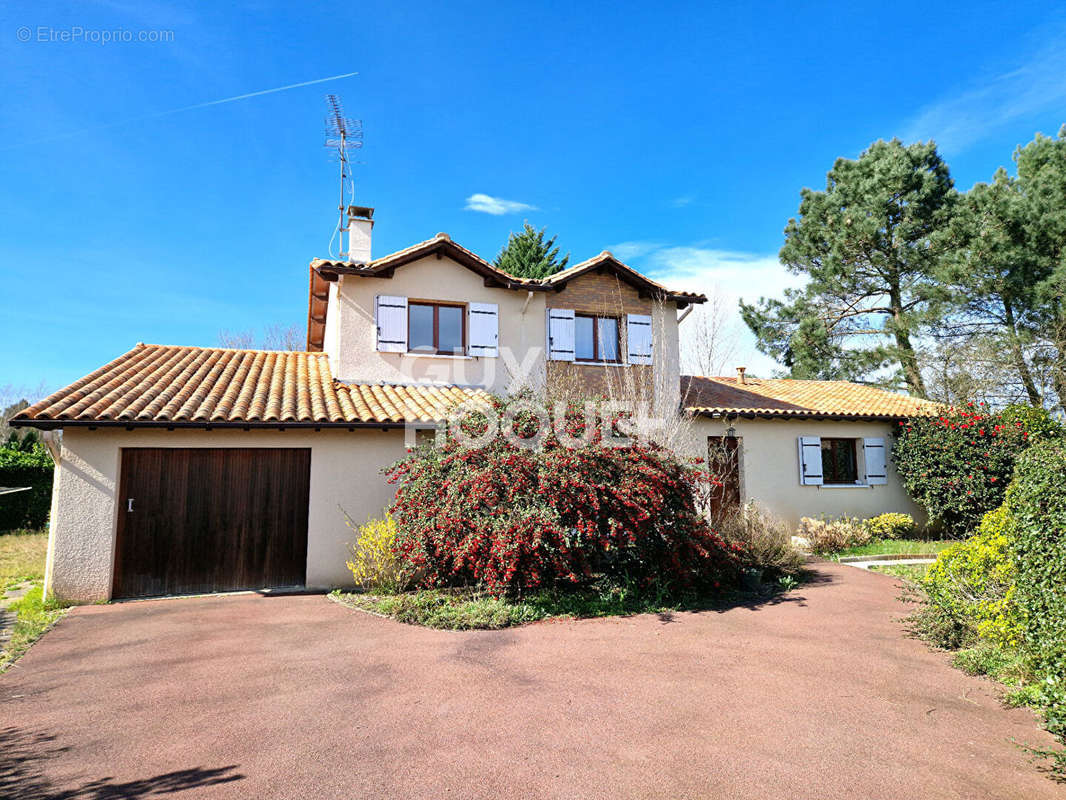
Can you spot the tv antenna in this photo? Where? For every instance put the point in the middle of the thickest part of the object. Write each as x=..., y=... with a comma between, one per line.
x=342, y=134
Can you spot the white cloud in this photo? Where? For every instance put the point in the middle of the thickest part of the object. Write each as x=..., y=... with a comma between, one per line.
x=683, y=200
x=727, y=276
x=496, y=206
x=957, y=122
x=624, y=251
x=743, y=274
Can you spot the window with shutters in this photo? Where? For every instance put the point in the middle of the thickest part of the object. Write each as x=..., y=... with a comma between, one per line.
x=596, y=339
x=840, y=464
x=436, y=328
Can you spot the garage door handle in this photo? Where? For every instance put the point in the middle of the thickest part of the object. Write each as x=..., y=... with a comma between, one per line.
x=129, y=505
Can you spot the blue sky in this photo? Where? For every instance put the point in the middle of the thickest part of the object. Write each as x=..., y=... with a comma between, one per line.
x=679, y=135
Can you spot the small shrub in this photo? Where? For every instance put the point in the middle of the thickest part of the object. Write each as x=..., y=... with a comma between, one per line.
x=890, y=526
x=973, y=581
x=983, y=659
x=374, y=563
x=765, y=540
x=829, y=536
x=1027, y=695
x=936, y=625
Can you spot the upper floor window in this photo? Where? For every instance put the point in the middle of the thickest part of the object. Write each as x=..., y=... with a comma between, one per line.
x=435, y=328
x=596, y=338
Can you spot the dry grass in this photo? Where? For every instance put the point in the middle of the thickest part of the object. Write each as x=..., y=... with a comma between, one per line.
x=22, y=555
x=766, y=539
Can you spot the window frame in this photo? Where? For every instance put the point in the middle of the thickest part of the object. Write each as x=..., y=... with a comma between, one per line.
x=436, y=305
x=829, y=463
x=596, y=338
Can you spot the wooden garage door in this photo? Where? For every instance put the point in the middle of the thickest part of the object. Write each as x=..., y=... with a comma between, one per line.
x=211, y=520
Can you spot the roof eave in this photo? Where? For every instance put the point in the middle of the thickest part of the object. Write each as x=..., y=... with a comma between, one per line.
x=728, y=413
x=53, y=424
x=636, y=279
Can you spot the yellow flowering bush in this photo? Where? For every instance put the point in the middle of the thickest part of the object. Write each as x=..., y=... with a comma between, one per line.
x=974, y=581
x=890, y=526
x=373, y=560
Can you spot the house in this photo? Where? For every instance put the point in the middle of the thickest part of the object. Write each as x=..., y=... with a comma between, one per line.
x=801, y=448
x=193, y=469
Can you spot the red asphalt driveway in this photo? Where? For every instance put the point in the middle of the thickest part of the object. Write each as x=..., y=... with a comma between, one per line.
x=819, y=695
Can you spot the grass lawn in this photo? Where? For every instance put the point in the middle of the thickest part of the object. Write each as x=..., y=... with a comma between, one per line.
x=910, y=572
x=22, y=555
x=34, y=617
x=880, y=547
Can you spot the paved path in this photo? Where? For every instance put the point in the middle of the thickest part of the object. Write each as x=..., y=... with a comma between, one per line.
x=817, y=696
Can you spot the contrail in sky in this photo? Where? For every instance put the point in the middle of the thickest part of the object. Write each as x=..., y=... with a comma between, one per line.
x=168, y=112
x=250, y=94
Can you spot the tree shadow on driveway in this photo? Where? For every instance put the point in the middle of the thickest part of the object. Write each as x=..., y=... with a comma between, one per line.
x=768, y=596
x=23, y=755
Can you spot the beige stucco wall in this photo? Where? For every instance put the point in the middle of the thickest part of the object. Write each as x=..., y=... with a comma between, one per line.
x=345, y=473
x=521, y=340
x=350, y=333
x=769, y=469
x=666, y=358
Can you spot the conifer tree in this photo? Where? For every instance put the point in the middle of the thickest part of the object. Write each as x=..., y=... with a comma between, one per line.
x=528, y=255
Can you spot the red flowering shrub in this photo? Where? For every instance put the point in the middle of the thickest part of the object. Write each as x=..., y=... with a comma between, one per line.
x=957, y=466
x=517, y=519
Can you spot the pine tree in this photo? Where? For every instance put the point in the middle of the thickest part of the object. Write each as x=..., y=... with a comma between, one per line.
x=528, y=255
x=870, y=246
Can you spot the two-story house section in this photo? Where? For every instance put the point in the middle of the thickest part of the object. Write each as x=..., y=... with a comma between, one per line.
x=438, y=314
x=194, y=469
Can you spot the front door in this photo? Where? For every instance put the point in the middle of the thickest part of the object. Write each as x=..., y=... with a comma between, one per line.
x=723, y=463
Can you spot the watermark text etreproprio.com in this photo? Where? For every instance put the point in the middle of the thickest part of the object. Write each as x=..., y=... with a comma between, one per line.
x=77, y=34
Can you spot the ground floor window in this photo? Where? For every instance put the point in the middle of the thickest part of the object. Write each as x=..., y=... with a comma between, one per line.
x=839, y=461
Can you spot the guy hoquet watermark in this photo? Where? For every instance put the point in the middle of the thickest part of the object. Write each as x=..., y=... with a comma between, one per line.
x=76, y=34
x=527, y=422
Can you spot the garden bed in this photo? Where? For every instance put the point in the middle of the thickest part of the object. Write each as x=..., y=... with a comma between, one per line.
x=475, y=609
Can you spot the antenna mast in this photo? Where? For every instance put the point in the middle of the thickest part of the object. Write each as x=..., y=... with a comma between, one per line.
x=342, y=133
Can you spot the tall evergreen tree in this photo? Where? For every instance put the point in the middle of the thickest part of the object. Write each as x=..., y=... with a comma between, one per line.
x=1042, y=183
x=528, y=255
x=992, y=279
x=869, y=245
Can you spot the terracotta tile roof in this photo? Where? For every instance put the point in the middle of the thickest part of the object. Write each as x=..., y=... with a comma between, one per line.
x=441, y=241
x=607, y=260
x=324, y=270
x=163, y=385
x=785, y=397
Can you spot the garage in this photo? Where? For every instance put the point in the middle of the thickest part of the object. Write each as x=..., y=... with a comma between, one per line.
x=194, y=520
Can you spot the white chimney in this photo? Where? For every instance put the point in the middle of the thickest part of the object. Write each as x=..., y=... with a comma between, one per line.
x=360, y=225
x=740, y=374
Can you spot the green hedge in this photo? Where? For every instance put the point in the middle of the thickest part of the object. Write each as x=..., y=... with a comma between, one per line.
x=1037, y=503
x=31, y=468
